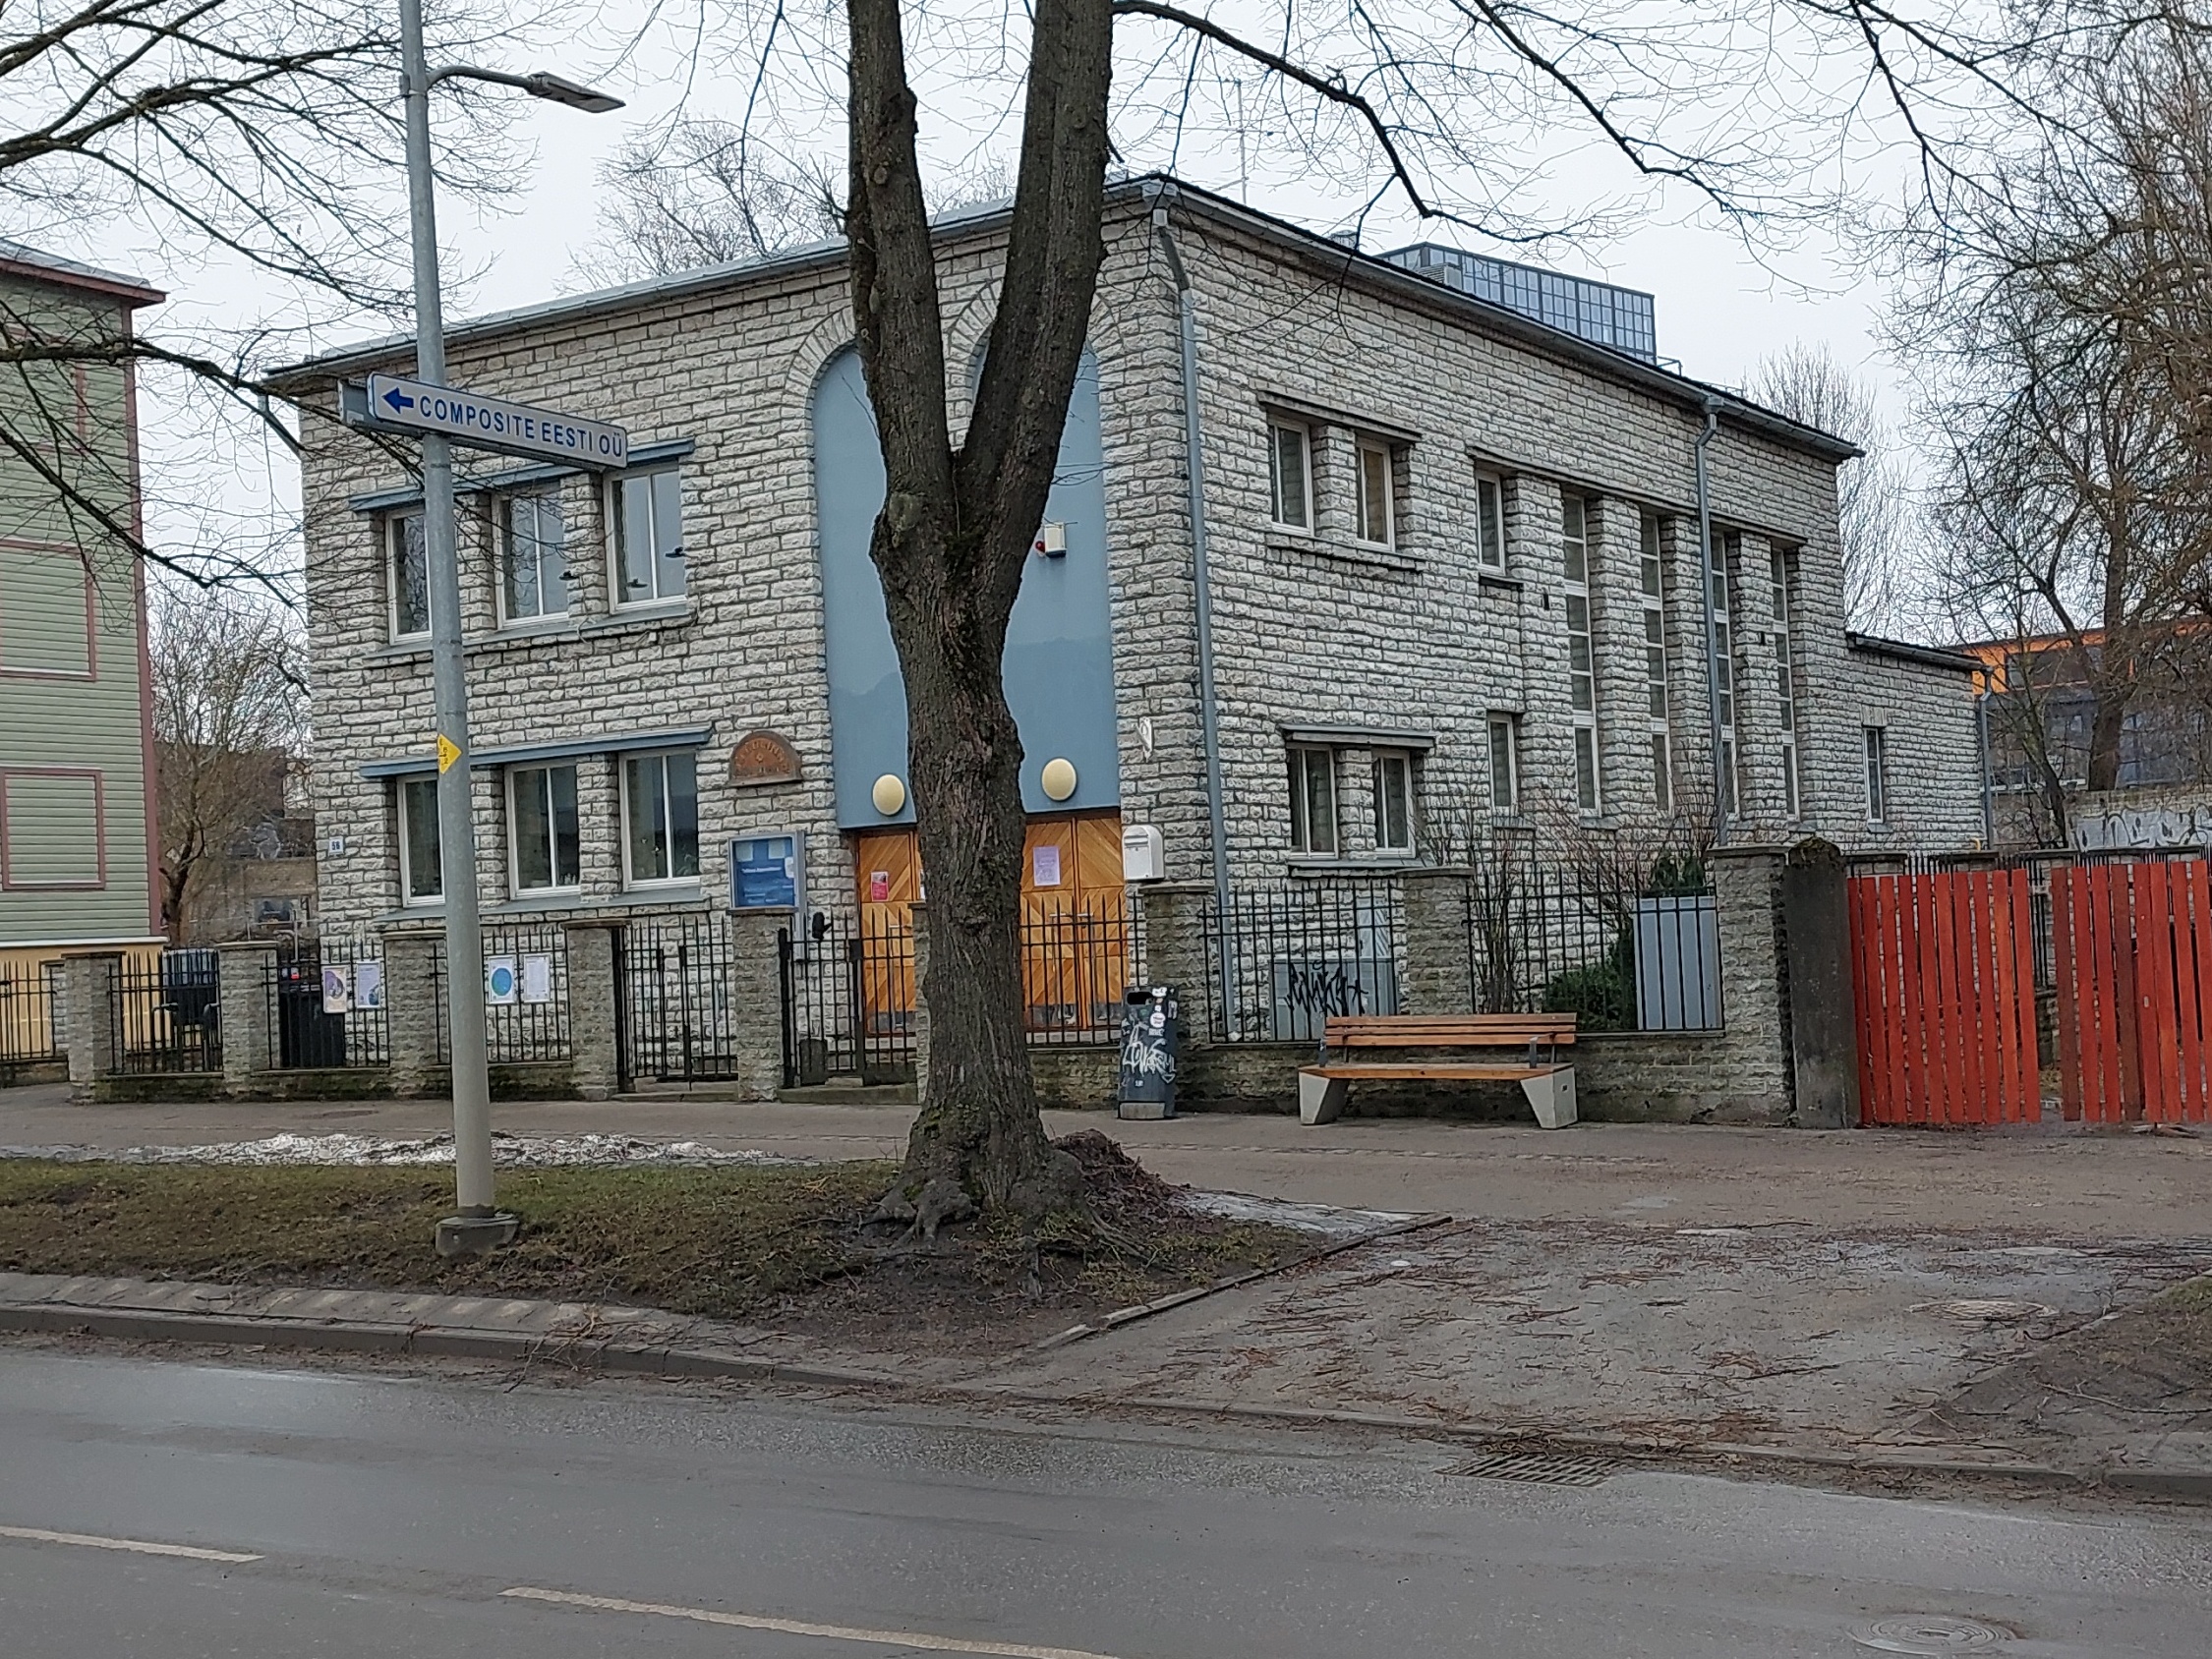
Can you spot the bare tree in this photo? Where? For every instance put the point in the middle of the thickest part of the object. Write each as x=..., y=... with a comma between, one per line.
x=1873, y=494
x=229, y=726
x=704, y=194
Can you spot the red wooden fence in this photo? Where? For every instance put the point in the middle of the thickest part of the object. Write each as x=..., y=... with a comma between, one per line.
x=2134, y=946
x=1943, y=967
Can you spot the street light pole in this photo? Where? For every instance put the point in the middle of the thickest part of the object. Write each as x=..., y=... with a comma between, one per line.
x=477, y=1224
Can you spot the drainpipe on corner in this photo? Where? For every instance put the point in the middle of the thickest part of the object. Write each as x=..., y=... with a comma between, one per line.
x=1711, y=627
x=1209, y=724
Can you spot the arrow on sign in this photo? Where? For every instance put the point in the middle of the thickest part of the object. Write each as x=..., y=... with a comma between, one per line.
x=448, y=752
x=398, y=400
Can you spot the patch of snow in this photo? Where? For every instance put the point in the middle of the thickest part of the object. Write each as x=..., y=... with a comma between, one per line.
x=507, y=1151
x=1325, y=1219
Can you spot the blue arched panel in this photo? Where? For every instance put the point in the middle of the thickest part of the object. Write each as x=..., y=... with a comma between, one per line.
x=1059, y=662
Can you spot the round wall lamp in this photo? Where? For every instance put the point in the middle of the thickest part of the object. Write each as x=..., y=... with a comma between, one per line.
x=889, y=795
x=1059, y=780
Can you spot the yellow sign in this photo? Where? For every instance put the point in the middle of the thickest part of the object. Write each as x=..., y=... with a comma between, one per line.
x=449, y=751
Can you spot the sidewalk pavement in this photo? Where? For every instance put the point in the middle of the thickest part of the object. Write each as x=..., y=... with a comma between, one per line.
x=2035, y=1182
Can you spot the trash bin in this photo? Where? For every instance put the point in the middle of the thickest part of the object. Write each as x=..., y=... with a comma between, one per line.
x=1151, y=1028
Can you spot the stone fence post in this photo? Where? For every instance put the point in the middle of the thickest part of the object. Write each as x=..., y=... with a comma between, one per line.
x=1175, y=944
x=594, y=1034
x=921, y=1003
x=411, y=1007
x=88, y=1027
x=756, y=987
x=1753, y=1066
x=245, y=976
x=1439, y=980
x=1823, y=1036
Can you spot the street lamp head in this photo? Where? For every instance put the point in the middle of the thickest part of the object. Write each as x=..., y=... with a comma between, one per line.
x=590, y=100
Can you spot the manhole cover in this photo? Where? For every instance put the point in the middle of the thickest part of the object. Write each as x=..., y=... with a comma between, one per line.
x=1537, y=1468
x=1928, y=1632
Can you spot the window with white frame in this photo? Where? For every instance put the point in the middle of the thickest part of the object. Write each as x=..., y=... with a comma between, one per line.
x=1657, y=706
x=419, y=881
x=406, y=573
x=1505, y=764
x=1719, y=564
x=543, y=831
x=1489, y=521
x=1393, y=801
x=1877, y=774
x=533, y=557
x=1313, y=802
x=646, y=512
x=1582, y=656
x=1786, y=679
x=1290, y=475
x=1376, y=519
x=660, y=818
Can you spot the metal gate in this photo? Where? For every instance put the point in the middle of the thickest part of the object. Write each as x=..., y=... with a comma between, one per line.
x=675, y=1008
x=1943, y=967
x=2134, y=948
x=847, y=993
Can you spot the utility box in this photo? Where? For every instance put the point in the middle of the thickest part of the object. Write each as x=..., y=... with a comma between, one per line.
x=1144, y=853
x=1151, y=1032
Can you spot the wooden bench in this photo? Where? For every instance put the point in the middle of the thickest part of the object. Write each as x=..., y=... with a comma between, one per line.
x=1548, y=1081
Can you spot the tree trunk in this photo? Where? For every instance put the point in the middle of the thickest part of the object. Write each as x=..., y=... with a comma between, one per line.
x=949, y=544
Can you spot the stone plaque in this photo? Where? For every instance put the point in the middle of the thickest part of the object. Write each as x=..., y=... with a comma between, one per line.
x=764, y=757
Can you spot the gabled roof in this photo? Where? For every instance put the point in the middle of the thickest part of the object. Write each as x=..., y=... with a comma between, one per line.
x=19, y=259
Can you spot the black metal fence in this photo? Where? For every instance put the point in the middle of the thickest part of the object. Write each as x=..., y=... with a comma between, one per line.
x=1622, y=951
x=327, y=1006
x=30, y=1032
x=847, y=995
x=526, y=995
x=674, y=1010
x=166, y=1016
x=1292, y=956
x=1075, y=964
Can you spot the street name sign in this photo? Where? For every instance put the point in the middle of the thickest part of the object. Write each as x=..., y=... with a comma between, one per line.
x=490, y=422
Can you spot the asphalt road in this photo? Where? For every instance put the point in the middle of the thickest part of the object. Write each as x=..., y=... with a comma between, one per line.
x=453, y=1516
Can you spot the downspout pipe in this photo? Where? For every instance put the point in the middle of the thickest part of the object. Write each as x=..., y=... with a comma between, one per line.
x=1712, y=625
x=1194, y=453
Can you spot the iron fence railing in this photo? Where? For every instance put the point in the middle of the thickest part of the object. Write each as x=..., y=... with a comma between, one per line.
x=849, y=998
x=166, y=1016
x=1619, y=949
x=1282, y=959
x=676, y=1013
x=526, y=995
x=1076, y=961
x=327, y=1010
x=29, y=1022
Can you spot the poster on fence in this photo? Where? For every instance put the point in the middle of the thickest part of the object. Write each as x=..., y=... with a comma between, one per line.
x=337, y=993
x=368, y=985
x=537, y=979
x=499, y=985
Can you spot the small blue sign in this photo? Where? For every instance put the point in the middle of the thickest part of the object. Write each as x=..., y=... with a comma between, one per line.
x=764, y=872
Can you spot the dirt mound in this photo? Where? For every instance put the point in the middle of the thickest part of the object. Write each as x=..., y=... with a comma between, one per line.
x=1116, y=1183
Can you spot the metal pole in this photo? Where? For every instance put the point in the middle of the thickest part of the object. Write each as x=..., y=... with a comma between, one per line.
x=457, y=829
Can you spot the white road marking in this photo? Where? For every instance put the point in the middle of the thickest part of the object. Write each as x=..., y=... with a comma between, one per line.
x=136, y=1546
x=801, y=1627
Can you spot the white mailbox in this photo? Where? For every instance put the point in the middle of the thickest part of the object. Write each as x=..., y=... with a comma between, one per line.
x=1144, y=853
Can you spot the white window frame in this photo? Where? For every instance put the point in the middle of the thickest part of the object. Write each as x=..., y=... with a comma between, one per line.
x=515, y=882
x=503, y=543
x=1875, y=744
x=1388, y=760
x=408, y=898
x=1303, y=760
x=1365, y=449
x=1582, y=677
x=391, y=535
x=631, y=880
x=1489, y=521
x=1277, y=430
x=618, y=537
x=1504, y=735
x=1718, y=563
x=1659, y=701
x=1786, y=680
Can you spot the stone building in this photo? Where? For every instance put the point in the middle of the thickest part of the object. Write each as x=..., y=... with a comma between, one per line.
x=1450, y=538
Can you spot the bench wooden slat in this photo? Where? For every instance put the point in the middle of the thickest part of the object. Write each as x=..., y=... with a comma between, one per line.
x=1451, y=1071
x=1432, y=1031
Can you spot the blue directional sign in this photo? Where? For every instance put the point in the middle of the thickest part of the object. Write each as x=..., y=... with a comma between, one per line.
x=490, y=423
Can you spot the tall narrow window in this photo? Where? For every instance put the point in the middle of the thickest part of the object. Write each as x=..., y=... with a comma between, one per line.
x=543, y=830
x=1654, y=666
x=1719, y=564
x=1581, y=657
x=1489, y=520
x=1786, y=680
x=1877, y=776
x=1505, y=763
x=419, y=881
x=1393, y=801
x=1313, y=802
x=407, y=573
x=1289, y=476
x=533, y=564
x=660, y=818
x=648, y=520
x=1377, y=511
